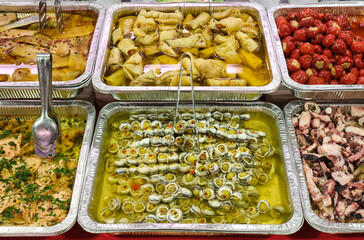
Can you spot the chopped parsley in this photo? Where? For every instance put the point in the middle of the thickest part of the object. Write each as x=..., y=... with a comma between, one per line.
x=4, y=134
x=2, y=150
x=64, y=171
x=27, y=137
x=31, y=188
x=9, y=213
x=6, y=164
x=22, y=174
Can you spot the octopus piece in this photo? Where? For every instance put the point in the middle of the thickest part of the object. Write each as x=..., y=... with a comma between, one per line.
x=361, y=121
x=359, y=214
x=337, y=139
x=355, y=130
x=340, y=208
x=351, y=208
x=357, y=156
x=330, y=187
x=312, y=188
x=342, y=178
x=357, y=111
x=324, y=118
x=333, y=152
x=295, y=121
x=326, y=201
x=357, y=194
x=315, y=123
x=327, y=111
x=312, y=107
x=304, y=121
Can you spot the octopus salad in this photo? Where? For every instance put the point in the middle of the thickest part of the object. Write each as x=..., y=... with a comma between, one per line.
x=227, y=48
x=154, y=171
x=331, y=143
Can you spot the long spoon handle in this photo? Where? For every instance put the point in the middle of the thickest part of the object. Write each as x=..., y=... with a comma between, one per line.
x=44, y=64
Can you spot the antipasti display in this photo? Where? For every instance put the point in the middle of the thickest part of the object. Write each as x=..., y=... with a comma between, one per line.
x=227, y=47
x=20, y=41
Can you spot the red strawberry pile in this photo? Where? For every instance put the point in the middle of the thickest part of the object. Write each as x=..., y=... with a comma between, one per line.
x=320, y=48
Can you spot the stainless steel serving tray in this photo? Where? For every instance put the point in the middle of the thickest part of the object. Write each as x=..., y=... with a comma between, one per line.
x=112, y=110
x=61, y=89
x=132, y=93
x=311, y=217
x=31, y=110
x=314, y=91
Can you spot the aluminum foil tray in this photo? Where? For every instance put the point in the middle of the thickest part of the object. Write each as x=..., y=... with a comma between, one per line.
x=132, y=93
x=311, y=217
x=97, y=163
x=61, y=89
x=303, y=91
x=31, y=110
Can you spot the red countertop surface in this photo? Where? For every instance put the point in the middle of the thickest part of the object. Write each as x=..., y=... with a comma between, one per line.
x=306, y=232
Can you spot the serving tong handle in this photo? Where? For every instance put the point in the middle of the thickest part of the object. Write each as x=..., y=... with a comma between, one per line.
x=44, y=64
x=186, y=55
x=42, y=12
x=59, y=15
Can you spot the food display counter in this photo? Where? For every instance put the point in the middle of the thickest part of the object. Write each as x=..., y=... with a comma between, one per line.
x=209, y=146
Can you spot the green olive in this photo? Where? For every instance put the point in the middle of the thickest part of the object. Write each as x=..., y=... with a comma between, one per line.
x=219, y=182
x=252, y=210
x=171, y=188
x=230, y=176
x=207, y=193
x=189, y=177
x=128, y=207
x=253, y=181
x=169, y=176
x=225, y=194
x=225, y=167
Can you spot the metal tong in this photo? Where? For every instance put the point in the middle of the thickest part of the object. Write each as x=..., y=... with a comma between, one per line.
x=43, y=15
x=186, y=55
x=47, y=128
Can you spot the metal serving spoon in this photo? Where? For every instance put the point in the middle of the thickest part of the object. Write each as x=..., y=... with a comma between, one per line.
x=46, y=128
